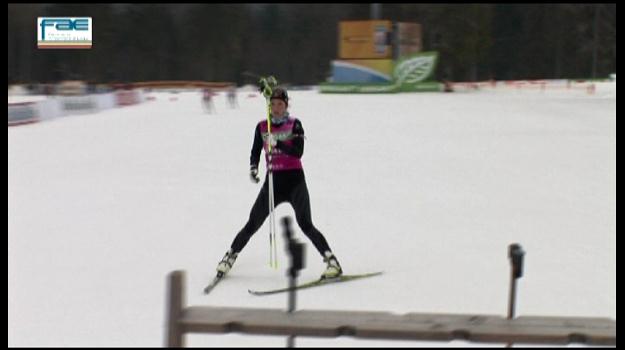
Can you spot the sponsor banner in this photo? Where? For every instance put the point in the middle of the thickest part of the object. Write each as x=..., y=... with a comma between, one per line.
x=416, y=68
x=427, y=86
x=127, y=97
x=22, y=113
x=362, y=71
x=104, y=101
x=379, y=88
x=49, y=109
x=357, y=88
x=365, y=39
x=409, y=39
x=78, y=104
x=409, y=74
x=71, y=88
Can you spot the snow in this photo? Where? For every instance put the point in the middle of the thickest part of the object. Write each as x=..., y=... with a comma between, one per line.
x=26, y=98
x=429, y=187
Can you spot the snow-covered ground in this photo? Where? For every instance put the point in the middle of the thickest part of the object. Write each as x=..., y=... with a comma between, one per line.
x=429, y=187
x=26, y=98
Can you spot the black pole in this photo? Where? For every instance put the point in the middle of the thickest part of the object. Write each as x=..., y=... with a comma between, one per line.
x=595, y=39
x=375, y=11
x=515, y=254
x=297, y=252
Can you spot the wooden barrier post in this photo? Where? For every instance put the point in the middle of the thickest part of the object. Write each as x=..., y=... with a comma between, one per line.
x=176, y=298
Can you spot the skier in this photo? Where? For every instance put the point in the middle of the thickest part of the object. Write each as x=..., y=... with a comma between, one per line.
x=287, y=142
x=232, y=97
x=207, y=100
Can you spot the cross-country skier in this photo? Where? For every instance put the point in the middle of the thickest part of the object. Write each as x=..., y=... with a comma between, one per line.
x=232, y=97
x=207, y=100
x=287, y=141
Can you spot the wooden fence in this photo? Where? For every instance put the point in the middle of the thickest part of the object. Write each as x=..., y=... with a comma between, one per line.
x=379, y=325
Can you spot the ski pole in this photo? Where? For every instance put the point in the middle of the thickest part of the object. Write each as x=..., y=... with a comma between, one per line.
x=272, y=243
x=273, y=256
x=267, y=84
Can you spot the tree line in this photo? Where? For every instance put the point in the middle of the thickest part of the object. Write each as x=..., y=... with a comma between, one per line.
x=297, y=42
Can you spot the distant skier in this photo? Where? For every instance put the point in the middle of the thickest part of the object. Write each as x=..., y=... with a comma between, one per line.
x=287, y=140
x=207, y=100
x=232, y=97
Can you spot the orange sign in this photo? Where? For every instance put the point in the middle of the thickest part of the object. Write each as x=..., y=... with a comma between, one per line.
x=365, y=39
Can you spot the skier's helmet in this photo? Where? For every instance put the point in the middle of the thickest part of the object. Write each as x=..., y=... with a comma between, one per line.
x=280, y=94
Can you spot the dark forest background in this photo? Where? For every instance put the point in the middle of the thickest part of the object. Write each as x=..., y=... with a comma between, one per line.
x=297, y=42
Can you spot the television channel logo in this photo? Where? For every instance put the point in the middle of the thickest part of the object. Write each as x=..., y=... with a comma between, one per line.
x=64, y=32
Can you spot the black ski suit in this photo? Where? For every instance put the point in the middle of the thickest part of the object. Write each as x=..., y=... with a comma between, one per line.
x=289, y=186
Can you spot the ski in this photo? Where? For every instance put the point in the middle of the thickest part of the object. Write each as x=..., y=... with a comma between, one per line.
x=214, y=282
x=316, y=283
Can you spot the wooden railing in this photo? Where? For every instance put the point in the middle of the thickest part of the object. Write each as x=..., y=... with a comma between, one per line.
x=379, y=325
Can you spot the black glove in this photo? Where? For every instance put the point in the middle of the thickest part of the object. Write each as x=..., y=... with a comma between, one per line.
x=254, y=174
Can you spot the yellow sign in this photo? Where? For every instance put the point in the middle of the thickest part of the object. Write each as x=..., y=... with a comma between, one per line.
x=365, y=39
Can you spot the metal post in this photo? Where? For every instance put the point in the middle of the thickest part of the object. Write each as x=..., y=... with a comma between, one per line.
x=515, y=254
x=375, y=11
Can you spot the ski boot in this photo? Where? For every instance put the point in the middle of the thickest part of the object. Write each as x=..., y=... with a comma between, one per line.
x=226, y=263
x=333, y=268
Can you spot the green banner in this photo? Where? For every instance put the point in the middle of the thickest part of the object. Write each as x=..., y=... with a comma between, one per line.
x=357, y=88
x=415, y=69
x=427, y=86
x=431, y=86
x=409, y=75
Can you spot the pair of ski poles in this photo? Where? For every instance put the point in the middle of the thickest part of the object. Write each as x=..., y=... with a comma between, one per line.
x=268, y=83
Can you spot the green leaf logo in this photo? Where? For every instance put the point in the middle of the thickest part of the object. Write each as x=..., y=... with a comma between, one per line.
x=415, y=69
